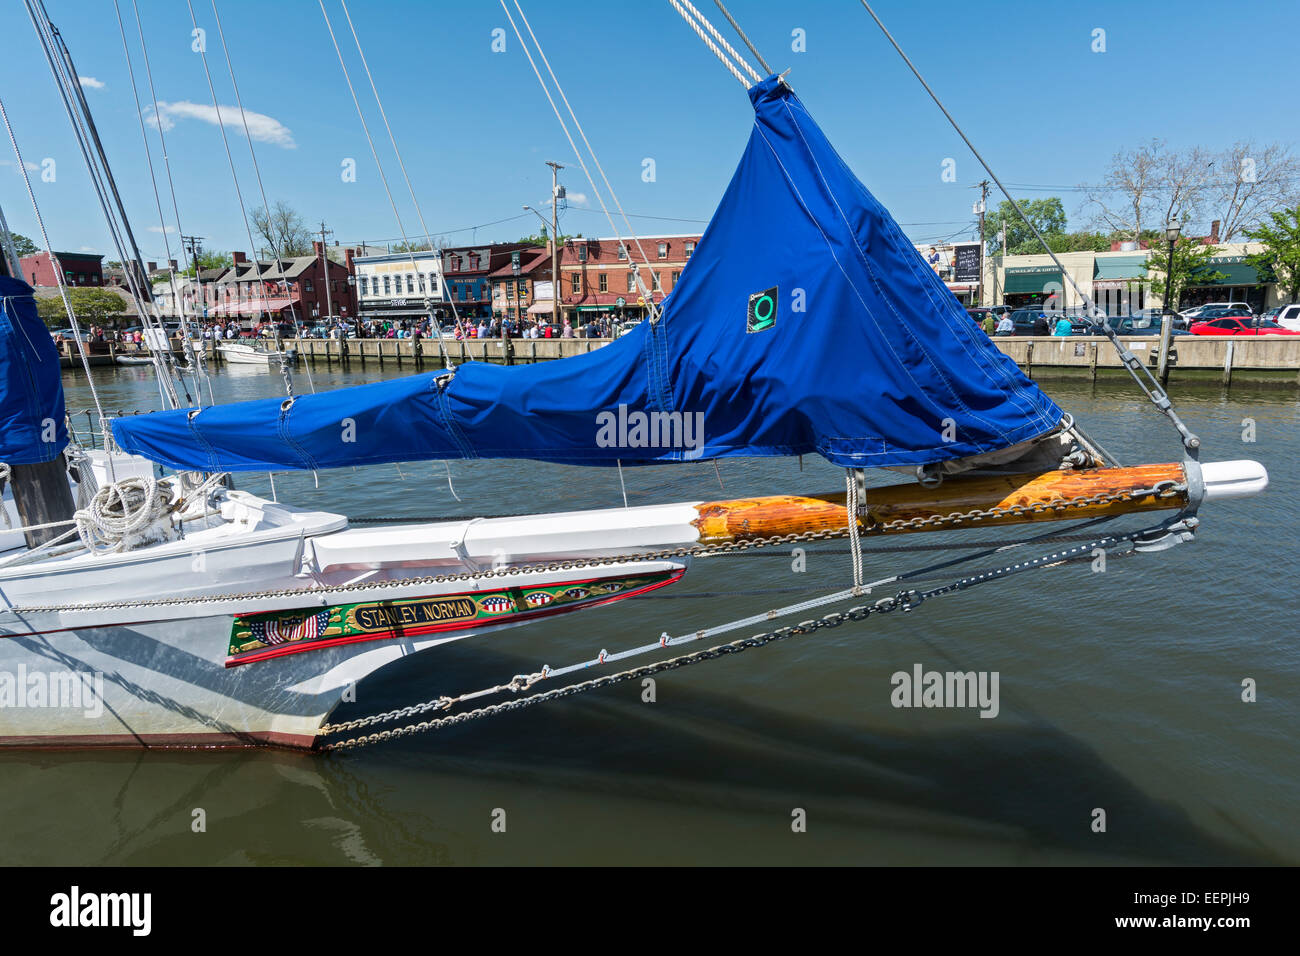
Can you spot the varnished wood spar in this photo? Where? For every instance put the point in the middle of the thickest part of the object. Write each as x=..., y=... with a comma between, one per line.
x=748, y=518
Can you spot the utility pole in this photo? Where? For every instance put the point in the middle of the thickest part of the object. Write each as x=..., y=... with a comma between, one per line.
x=325, y=268
x=193, y=245
x=983, y=186
x=555, y=245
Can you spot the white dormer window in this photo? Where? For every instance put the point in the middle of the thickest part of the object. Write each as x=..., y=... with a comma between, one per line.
x=663, y=250
x=622, y=252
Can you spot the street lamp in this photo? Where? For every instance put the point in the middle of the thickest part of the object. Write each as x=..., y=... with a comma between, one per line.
x=1171, y=234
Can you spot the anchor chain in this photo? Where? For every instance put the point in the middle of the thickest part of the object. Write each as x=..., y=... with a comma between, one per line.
x=905, y=600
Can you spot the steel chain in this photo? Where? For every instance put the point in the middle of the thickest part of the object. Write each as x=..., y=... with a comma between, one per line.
x=1162, y=490
x=906, y=600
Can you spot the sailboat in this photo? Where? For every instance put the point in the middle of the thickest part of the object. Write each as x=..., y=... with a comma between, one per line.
x=805, y=323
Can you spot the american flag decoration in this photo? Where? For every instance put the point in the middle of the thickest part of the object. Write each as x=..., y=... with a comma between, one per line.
x=293, y=629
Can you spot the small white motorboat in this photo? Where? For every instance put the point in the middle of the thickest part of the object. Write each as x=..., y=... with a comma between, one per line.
x=133, y=359
x=239, y=353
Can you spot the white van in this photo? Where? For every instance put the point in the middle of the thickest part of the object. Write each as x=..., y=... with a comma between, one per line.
x=1289, y=317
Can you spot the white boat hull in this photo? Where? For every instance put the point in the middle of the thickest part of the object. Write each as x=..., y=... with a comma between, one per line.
x=247, y=355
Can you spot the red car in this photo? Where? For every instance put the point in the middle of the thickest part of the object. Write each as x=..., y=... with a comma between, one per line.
x=1239, y=325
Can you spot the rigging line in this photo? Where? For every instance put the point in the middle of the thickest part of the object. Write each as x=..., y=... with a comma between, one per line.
x=45, y=33
x=1137, y=369
x=652, y=309
x=10, y=250
x=383, y=177
x=740, y=60
x=455, y=313
x=162, y=221
x=278, y=249
x=256, y=267
x=731, y=68
x=58, y=272
x=65, y=73
x=752, y=49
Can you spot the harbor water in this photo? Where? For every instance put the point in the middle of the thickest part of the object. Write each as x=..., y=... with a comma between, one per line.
x=1121, y=691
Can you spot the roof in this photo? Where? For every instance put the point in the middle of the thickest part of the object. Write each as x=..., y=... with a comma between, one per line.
x=65, y=255
x=529, y=261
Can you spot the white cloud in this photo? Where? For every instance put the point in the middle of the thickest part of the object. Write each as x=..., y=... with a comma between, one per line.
x=86, y=249
x=262, y=128
x=90, y=83
x=31, y=167
x=161, y=229
x=577, y=199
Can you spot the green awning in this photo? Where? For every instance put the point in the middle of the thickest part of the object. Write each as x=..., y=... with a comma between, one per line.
x=1112, y=268
x=1033, y=279
x=1237, y=270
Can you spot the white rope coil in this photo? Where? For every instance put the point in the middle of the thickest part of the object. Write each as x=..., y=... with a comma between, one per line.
x=120, y=512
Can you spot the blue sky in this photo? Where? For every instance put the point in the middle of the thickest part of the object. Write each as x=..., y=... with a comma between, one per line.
x=475, y=128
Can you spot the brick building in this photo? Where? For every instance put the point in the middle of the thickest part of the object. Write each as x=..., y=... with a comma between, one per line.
x=78, y=268
x=598, y=276
x=256, y=291
x=525, y=291
x=466, y=271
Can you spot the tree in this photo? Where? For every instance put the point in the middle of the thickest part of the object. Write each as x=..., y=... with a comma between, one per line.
x=92, y=306
x=1047, y=215
x=1280, y=235
x=285, y=232
x=1079, y=242
x=1191, y=266
x=1253, y=181
x=415, y=245
x=1149, y=183
x=22, y=245
x=210, y=259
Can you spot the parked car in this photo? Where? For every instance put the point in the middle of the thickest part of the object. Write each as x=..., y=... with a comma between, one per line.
x=1030, y=322
x=1140, y=325
x=1240, y=325
x=1180, y=322
x=1209, y=313
x=1288, y=316
x=1233, y=308
x=977, y=312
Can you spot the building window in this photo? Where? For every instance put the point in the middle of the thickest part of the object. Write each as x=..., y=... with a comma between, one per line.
x=676, y=276
x=582, y=252
x=410, y=282
x=657, y=286
x=473, y=263
x=362, y=283
x=622, y=252
x=663, y=250
x=433, y=283
x=631, y=282
x=306, y=284
x=387, y=286
x=604, y=282
x=690, y=247
x=576, y=285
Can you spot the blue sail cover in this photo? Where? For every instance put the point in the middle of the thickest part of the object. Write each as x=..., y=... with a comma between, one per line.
x=32, y=426
x=804, y=322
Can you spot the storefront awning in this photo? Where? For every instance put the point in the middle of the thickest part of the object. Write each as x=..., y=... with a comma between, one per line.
x=1032, y=279
x=1236, y=269
x=542, y=307
x=1114, y=268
